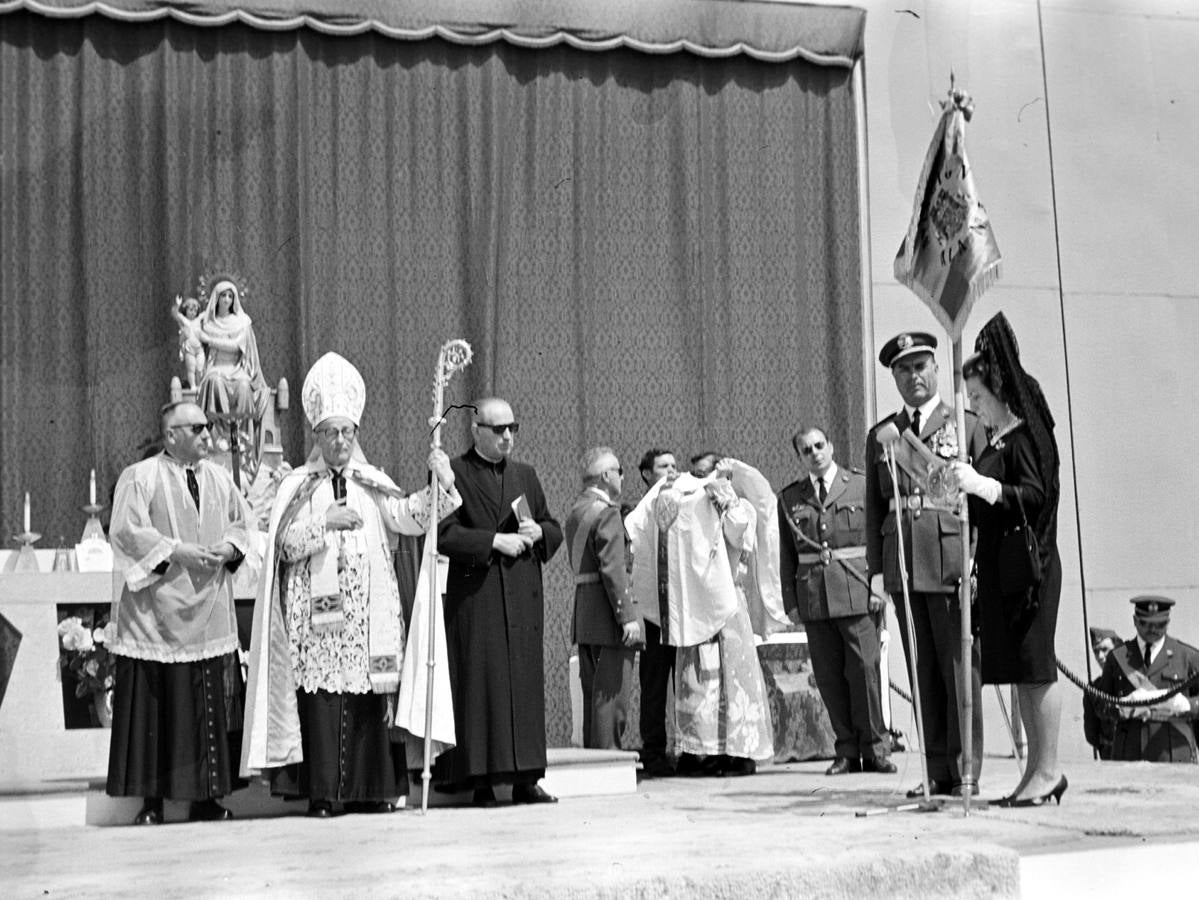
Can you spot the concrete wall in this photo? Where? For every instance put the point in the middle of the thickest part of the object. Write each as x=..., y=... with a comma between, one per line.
x=1082, y=143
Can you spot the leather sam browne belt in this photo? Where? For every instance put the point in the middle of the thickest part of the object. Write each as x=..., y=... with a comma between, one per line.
x=917, y=502
x=827, y=555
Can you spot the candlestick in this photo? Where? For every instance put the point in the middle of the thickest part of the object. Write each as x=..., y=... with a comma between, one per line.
x=27, y=512
x=91, y=489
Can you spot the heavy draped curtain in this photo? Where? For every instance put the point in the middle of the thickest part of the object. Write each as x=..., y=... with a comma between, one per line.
x=642, y=249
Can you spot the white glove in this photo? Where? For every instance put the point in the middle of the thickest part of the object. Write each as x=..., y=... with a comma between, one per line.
x=1177, y=705
x=1137, y=712
x=981, y=486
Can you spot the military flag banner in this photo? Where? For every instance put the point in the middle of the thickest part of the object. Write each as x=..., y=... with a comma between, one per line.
x=949, y=256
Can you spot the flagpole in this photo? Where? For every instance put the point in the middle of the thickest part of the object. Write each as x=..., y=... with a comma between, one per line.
x=965, y=674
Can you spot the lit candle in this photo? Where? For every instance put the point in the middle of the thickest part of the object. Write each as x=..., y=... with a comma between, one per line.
x=91, y=488
x=27, y=512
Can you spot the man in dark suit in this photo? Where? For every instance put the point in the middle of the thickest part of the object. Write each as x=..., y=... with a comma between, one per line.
x=497, y=542
x=657, y=659
x=607, y=625
x=931, y=532
x=822, y=518
x=1136, y=669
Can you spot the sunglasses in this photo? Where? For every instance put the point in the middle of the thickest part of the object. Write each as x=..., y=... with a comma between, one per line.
x=814, y=448
x=195, y=429
x=499, y=430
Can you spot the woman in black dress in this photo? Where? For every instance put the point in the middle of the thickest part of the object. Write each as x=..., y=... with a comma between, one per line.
x=1013, y=481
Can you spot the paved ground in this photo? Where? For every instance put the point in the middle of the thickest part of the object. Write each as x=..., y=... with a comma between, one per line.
x=787, y=832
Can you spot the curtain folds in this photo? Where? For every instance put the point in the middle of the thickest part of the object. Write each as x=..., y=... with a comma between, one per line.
x=642, y=250
x=769, y=30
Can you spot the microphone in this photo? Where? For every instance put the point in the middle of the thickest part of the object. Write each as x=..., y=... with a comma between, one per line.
x=888, y=435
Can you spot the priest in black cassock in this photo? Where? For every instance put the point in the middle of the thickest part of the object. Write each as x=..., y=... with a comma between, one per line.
x=497, y=542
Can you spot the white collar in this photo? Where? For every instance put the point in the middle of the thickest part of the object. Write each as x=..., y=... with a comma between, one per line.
x=925, y=411
x=1154, y=648
x=599, y=492
x=829, y=477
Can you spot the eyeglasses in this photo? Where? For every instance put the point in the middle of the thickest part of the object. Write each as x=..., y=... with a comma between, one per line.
x=331, y=434
x=814, y=447
x=194, y=428
x=619, y=470
x=499, y=430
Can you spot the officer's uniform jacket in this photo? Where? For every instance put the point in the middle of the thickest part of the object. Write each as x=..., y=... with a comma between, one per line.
x=932, y=536
x=595, y=541
x=815, y=582
x=1172, y=740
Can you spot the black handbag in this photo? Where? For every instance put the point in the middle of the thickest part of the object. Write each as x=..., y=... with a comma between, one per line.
x=1019, y=557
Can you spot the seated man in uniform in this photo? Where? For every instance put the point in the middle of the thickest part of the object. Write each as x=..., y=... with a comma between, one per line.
x=1146, y=667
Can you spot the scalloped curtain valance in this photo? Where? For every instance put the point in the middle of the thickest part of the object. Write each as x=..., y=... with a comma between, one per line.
x=765, y=30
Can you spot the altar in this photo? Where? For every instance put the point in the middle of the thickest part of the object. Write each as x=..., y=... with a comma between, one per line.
x=47, y=740
x=801, y=725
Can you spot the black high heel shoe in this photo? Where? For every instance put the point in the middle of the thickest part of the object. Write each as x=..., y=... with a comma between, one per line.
x=1056, y=794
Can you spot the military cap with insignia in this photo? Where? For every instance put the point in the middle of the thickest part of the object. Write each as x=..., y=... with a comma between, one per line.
x=904, y=344
x=1149, y=605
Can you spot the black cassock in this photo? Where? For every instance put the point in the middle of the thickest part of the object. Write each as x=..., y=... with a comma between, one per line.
x=494, y=618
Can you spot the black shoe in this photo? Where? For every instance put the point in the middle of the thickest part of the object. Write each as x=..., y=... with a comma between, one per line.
x=150, y=814
x=693, y=766
x=208, y=811
x=320, y=809
x=843, y=766
x=1055, y=794
x=657, y=767
x=735, y=766
x=935, y=788
x=484, y=797
x=531, y=793
x=880, y=764
x=370, y=807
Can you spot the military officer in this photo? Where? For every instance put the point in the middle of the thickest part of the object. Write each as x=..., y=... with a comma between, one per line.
x=1150, y=662
x=607, y=626
x=931, y=532
x=822, y=519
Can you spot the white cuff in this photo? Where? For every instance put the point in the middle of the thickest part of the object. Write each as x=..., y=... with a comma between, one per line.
x=990, y=490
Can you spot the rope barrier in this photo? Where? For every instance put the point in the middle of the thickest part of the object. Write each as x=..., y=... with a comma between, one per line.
x=1094, y=692
x=1097, y=694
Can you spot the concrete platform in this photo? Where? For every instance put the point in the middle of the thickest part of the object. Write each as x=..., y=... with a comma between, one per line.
x=789, y=831
x=65, y=803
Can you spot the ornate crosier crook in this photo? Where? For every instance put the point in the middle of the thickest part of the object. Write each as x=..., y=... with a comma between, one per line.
x=455, y=356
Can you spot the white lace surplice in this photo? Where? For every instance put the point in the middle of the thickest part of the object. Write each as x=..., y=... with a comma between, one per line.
x=335, y=661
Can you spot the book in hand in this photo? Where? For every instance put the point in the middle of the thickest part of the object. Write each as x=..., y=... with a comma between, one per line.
x=520, y=506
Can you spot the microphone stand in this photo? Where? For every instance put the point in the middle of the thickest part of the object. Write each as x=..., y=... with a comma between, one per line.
x=889, y=455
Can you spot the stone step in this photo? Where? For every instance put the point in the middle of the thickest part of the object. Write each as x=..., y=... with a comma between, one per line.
x=571, y=772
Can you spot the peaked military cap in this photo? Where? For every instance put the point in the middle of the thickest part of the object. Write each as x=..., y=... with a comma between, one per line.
x=1151, y=605
x=905, y=344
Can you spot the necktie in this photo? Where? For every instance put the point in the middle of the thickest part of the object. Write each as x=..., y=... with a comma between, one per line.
x=1146, y=654
x=193, y=487
x=916, y=422
x=339, y=486
x=821, y=490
